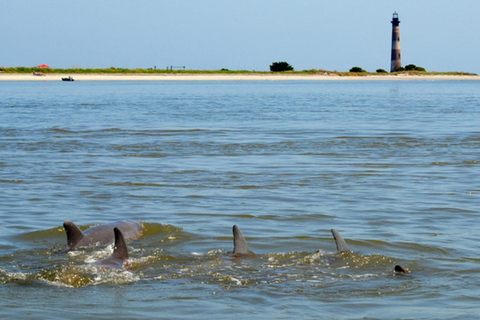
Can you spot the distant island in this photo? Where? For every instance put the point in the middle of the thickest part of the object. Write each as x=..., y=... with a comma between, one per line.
x=172, y=74
x=113, y=70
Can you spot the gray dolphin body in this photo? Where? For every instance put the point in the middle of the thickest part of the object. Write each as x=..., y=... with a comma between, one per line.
x=341, y=244
x=240, y=247
x=343, y=247
x=119, y=255
x=100, y=235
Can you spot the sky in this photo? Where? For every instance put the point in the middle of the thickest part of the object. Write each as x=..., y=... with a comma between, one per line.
x=439, y=35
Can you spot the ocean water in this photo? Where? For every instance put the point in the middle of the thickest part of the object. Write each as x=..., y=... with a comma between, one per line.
x=394, y=166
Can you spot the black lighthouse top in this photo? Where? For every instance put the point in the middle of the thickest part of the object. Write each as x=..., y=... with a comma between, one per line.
x=395, y=20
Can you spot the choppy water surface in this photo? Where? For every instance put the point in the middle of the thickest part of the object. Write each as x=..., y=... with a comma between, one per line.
x=393, y=166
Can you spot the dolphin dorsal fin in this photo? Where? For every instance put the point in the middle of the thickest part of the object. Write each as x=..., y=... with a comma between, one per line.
x=74, y=234
x=341, y=244
x=120, y=250
x=239, y=243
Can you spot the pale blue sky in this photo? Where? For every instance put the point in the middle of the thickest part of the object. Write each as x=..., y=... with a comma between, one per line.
x=440, y=35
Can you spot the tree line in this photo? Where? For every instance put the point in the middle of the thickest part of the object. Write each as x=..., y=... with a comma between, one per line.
x=283, y=66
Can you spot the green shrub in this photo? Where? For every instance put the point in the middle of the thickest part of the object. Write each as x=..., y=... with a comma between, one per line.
x=381, y=71
x=280, y=67
x=412, y=67
x=357, y=69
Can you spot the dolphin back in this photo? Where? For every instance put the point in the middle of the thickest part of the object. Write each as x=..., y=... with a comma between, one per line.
x=119, y=255
x=239, y=243
x=120, y=251
x=102, y=234
x=341, y=244
x=74, y=234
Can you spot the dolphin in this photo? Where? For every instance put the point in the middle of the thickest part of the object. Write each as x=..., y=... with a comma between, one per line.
x=343, y=247
x=119, y=255
x=341, y=244
x=400, y=269
x=101, y=234
x=240, y=247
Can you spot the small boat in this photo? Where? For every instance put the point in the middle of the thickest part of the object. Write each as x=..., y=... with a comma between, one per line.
x=68, y=79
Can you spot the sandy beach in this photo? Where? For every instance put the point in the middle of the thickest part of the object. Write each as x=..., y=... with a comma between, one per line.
x=226, y=77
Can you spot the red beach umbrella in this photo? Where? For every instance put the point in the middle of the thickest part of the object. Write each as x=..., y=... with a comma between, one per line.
x=43, y=66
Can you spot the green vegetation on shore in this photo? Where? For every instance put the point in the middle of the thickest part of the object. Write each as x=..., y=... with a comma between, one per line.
x=281, y=66
x=113, y=70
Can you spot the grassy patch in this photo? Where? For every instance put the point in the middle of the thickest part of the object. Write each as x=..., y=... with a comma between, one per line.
x=113, y=70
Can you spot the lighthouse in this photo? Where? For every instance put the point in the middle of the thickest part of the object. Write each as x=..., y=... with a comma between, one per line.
x=396, y=61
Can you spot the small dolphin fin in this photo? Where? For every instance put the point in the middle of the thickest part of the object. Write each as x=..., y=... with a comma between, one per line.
x=341, y=244
x=239, y=244
x=120, y=250
x=400, y=269
x=74, y=234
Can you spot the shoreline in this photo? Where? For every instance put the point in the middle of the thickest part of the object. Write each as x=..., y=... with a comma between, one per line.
x=229, y=77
